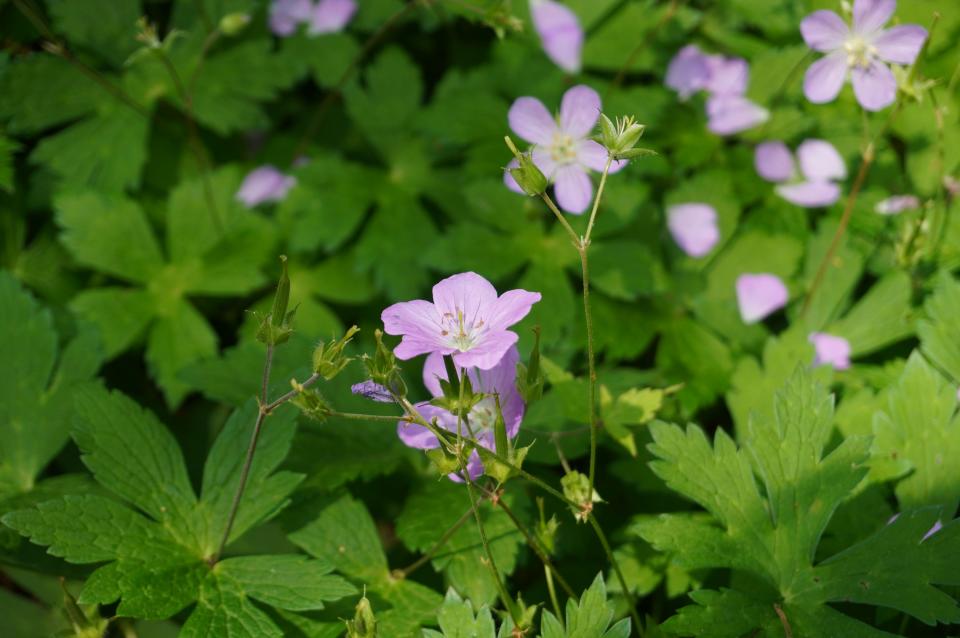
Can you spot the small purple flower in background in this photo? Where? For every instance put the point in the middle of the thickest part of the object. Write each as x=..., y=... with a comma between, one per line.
x=560, y=33
x=812, y=186
x=265, y=184
x=693, y=227
x=725, y=79
x=860, y=52
x=830, y=350
x=499, y=380
x=466, y=319
x=326, y=16
x=897, y=204
x=759, y=296
x=933, y=530
x=562, y=148
x=372, y=390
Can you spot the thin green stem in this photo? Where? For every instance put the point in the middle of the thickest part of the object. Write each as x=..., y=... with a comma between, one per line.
x=351, y=416
x=429, y=554
x=204, y=16
x=596, y=202
x=553, y=593
x=501, y=587
x=313, y=378
x=616, y=569
x=574, y=237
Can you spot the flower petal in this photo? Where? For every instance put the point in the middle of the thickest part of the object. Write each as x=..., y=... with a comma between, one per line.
x=488, y=352
x=508, y=178
x=824, y=31
x=810, y=194
x=824, y=78
x=467, y=293
x=510, y=307
x=820, y=161
x=897, y=204
x=760, y=295
x=831, y=350
x=560, y=33
x=331, y=16
x=773, y=161
x=693, y=227
x=543, y=159
x=731, y=114
x=688, y=71
x=264, y=184
x=415, y=435
x=286, y=15
x=433, y=371
x=372, y=390
x=728, y=76
x=901, y=44
x=529, y=119
x=593, y=155
x=573, y=189
x=869, y=16
x=874, y=86
x=579, y=111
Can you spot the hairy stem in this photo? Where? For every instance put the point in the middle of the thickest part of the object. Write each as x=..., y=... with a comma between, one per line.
x=501, y=588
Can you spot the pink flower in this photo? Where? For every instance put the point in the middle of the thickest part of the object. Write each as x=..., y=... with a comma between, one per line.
x=730, y=114
x=759, y=296
x=688, y=71
x=326, y=16
x=265, y=184
x=287, y=15
x=560, y=33
x=860, y=53
x=812, y=185
x=830, y=350
x=466, y=319
x=897, y=204
x=499, y=381
x=563, y=150
x=693, y=227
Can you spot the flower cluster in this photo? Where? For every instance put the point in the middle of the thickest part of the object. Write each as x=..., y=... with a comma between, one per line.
x=323, y=16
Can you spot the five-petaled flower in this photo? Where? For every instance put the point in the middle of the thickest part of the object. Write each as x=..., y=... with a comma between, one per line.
x=563, y=150
x=466, y=320
x=813, y=185
x=859, y=52
x=496, y=383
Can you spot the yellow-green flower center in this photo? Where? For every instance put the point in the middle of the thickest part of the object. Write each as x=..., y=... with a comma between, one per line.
x=859, y=52
x=563, y=149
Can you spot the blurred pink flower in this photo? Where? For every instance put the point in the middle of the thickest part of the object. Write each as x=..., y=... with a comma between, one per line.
x=265, y=184
x=811, y=186
x=694, y=227
x=897, y=204
x=560, y=33
x=830, y=350
x=324, y=16
x=759, y=296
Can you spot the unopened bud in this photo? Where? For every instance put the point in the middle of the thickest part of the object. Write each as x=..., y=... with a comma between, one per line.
x=621, y=137
x=525, y=173
x=234, y=23
x=329, y=359
x=310, y=402
x=576, y=487
x=364, y=623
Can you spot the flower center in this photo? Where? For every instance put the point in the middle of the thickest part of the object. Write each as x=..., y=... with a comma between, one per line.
x=461, y=333
x=483, y=416
x=859, y=52
x=563, y=149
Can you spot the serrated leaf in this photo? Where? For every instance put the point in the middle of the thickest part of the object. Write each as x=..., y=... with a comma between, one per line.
x=291, y=582
x=39, y=91
x=105, y=27
x=589, y=617
x=179, y=337
x=938, y=330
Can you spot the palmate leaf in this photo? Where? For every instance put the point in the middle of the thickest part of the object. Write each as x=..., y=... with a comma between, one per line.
x=773, y=532
x=590, y=617
x=156, y=537
x=457, y=620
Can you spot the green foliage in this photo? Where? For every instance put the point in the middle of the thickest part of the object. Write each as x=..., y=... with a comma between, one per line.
x=590, y=616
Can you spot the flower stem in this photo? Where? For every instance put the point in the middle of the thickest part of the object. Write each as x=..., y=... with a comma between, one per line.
x=429, y=554
x=501, y=588
x=553, y=594
x=596, y=202
x=616, y=569
x=574, y=237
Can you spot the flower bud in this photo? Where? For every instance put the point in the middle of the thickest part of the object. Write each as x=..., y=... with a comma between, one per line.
x=382, y=367
x=621, y=137
x=329, y=359
x=546, y=530
x=233, y=23
x=576, y=487
x=443, y=461
x=276, y=328
x=364, y=623
x=310, y=402
x=526, y=174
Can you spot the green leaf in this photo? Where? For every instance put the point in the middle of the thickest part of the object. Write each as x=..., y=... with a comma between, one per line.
x=457, y=620
x=881, y=317
x=40, y=91
x=590, y=617
x=224, y=610
x=919, y=434
x=105, y=27
x=292, y=582
x=391, y=96
x=120, y=314
x=111, y=234
x=7, y=148
x=177, y=339
x=938, y=330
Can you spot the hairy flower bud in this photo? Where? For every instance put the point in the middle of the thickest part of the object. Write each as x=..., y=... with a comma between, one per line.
x=576, y=487
x=275, y=328
x=364, y=623
x=310, y=402
x=329, y=359
x=526, y=174
x=620, y=138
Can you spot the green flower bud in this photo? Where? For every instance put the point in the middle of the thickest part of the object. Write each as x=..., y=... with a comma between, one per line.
x=329, y=359
x=276, y=327
x=528, y=177
x=310, y=402
x=364, y=623
x=233, y=23
x=576, y=487
x=382, y=367
x=546, y=530
x=621, y=137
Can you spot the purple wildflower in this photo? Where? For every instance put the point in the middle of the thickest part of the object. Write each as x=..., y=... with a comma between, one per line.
x=372, y=390
x=760, y=295
x=860, y=53
x=897, y=204
x=725, y=79
x=466, y=319
x=326, y=16
x=812, y=186
x=694, y=227
x=286, y=15
x=265, y=184
x=563, y=150
x=830, y=350
x=499, y=380
x=560, y=33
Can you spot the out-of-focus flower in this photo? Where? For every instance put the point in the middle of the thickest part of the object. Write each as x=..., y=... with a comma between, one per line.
x=812, y=186
x=499, y=381
x=897, y=204
x=725, y=79
x=560, y=33
x=694, y=227
x=466, y=319
x=287, y=15
x=830, y=350
x=372, y=390
x=563, y=151
x=759, y=296
x=325, y=16
x=265, y=184
x=859, y=52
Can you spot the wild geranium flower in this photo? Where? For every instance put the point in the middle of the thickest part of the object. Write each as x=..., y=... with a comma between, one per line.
x=897, y=204
x=694, y=227
x=325, y=16
x=831, y=350
x=560, y=33
x=759, y=296
x=563, y=150
x=859, y=52
x=499, y=382
x=466, y=319
x=812, y=186
x=265, y=184
x=725, y=79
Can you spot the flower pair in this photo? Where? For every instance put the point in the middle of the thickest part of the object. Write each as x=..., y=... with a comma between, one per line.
x=813, y=185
